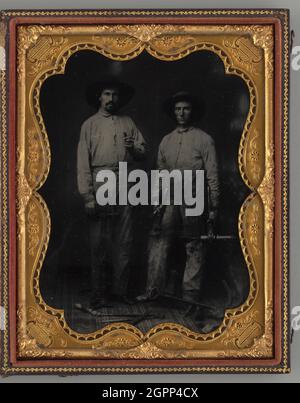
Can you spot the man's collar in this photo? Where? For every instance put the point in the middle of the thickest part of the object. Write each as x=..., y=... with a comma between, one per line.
x=105, y=114
x=184, y=129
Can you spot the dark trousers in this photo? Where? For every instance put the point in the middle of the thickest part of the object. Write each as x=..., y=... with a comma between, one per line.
x=172, y=224
x=111, y=246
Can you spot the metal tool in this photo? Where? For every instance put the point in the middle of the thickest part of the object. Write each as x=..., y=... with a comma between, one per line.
x=108, y=318
x=182, y=300
x=131, y=319
x=217, y=237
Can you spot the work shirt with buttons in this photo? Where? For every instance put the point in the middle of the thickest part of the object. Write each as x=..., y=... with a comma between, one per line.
x=102, y=146
x=191, y=149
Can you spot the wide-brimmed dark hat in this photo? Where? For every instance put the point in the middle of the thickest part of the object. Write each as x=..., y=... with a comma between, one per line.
x=184, y=96
x=95, y=89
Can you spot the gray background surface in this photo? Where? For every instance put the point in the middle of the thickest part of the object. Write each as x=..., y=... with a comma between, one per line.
x=294, y=6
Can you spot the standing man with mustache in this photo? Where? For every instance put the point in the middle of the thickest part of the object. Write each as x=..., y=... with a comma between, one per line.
x=106, y=139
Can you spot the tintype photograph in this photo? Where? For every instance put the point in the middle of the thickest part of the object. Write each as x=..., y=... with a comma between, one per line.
x=144, y=264
x=144, y=172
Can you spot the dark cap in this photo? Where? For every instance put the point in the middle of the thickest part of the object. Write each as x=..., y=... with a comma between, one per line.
x=184, y=96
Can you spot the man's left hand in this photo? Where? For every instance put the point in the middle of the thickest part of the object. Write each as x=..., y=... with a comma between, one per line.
x=211, y=225
x=129, y=143
x=211, y=231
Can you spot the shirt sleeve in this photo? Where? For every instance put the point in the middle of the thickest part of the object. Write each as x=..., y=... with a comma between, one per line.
x=157, y=190
x=84, y=172
x=212, y=174
x=139, y=143
x=161, y=159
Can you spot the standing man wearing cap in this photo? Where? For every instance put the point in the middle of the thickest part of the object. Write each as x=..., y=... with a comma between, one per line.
x=106, y=139
x=185, y=148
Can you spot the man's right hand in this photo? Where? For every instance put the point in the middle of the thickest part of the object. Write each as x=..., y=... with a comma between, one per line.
x=211, y=225
x=157, y=209
x=90, y=209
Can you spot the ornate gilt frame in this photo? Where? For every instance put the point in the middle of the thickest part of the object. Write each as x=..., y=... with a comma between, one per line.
x=247, y=337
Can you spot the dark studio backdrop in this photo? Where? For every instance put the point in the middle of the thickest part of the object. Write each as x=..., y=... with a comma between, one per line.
x=64, y=108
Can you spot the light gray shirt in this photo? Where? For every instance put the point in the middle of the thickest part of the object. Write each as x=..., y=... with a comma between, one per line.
x=191, y=149
x=102, y=146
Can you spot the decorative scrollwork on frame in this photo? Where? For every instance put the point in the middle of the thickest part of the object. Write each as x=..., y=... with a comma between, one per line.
x=144, y=33
x=33, y=156
x=34, y=335
x=254, y=156
x=250, y=337
x=254, y=226
x=245, y=53
x=266, y=190
x=117, y=341
x=262, y=37
x=145, y=350
x=243, y=332
x=34, y=228
x=44, y=52
x=24, y=193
